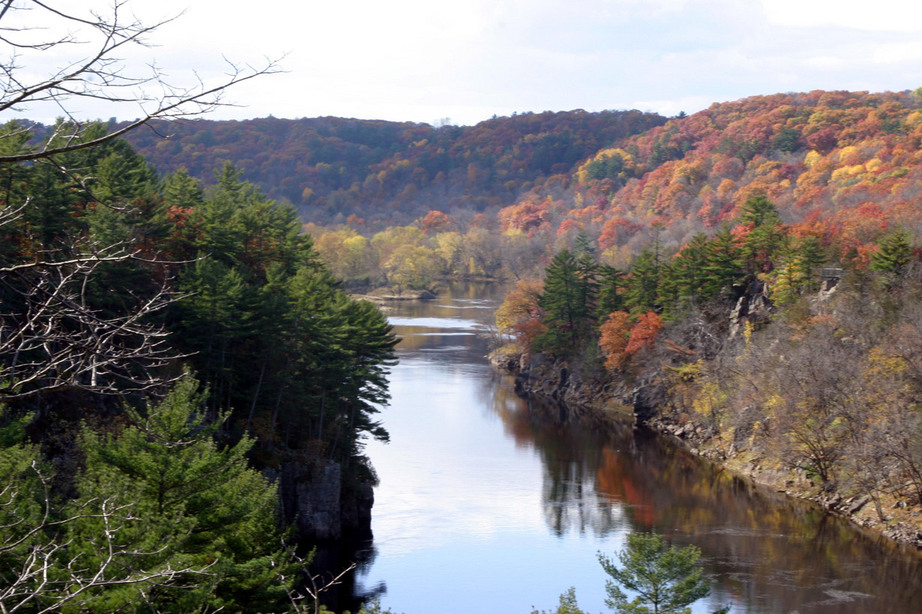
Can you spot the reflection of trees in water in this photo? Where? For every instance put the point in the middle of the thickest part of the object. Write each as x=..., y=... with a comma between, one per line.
x=766, y=553
x=571, y=457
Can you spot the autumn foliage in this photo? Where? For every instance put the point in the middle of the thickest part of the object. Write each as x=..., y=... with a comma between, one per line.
x=620, y=338
x=613, y=339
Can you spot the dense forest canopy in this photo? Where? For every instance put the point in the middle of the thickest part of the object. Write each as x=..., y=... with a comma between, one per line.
x=161, y=344
x=836, y=163
x=331, y=168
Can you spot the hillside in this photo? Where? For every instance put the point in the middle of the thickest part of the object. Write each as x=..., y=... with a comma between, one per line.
x=756, y=292
x=843, y=163
x=331, y=168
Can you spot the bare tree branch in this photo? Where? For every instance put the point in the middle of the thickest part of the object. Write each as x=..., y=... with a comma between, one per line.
x=49, y=578
x=53, y=336
x=101, y=75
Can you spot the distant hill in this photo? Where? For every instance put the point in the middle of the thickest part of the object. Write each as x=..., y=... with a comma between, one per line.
x=848, y=162
x=331, y=168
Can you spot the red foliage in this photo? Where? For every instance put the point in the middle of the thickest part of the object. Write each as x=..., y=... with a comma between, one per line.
x=436, y=221
x=566, y=226
x=615, y=230
x=525, y=216
x=179, y=215
x=644, y=332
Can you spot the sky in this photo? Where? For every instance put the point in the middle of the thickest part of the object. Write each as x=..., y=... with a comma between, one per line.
x=464, y=61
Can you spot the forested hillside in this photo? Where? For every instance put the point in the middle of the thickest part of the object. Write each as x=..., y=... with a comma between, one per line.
x=164, y=349
x=169, y=327
x=839, y=162
x=331, y=168
x=749, y=279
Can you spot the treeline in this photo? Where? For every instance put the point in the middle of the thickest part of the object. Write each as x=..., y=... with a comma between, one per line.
x=333, y=170
x=740, y=337
x=836, y=165
x=161, y=345
x=420, y=255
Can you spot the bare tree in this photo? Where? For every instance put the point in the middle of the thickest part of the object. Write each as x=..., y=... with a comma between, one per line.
x=95, y=70
x=305, y=598
x=51, y=336
x=57, y=340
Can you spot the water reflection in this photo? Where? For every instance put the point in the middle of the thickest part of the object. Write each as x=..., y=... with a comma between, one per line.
x=765, y=552
x=480, y=488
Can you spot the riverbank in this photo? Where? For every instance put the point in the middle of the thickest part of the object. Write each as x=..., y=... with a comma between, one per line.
x=896, y=517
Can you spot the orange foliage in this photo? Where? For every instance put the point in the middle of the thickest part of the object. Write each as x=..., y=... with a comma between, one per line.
x=613, y=339
x=644, y=332
x=436, y=221
x=519, y=314
x=526, y=216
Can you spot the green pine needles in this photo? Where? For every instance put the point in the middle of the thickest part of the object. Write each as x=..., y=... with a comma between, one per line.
x=665, y=579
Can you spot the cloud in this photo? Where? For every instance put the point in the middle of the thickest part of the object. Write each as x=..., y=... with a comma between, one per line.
x=421, y=61
x=880, y=16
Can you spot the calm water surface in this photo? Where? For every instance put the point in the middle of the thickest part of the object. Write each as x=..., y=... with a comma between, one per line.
x=489, y=503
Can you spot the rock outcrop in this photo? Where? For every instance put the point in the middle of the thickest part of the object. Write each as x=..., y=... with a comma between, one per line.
x=313, y=500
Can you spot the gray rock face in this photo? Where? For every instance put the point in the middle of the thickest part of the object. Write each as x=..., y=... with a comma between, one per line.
x=311, y=496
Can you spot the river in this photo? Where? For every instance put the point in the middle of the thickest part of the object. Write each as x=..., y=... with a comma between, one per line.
x=490, y=503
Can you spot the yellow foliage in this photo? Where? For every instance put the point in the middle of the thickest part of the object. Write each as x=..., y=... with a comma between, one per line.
x=767, y=167
x=847, y=171
x=812, y=158
x=881, y=364
x=773, y=402
x=690, y=371
x=726, y=188
x=846, y=154
x=710, y=400
x=618, y=257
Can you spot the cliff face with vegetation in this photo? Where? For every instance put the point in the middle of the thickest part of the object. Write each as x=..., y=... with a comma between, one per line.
x=798, y=376
x=747, y=278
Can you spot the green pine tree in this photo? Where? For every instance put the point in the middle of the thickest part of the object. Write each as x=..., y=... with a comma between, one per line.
x=722, y=267
x=180, y=500
x=893, y=257
x=665, y=579
x=568, y=303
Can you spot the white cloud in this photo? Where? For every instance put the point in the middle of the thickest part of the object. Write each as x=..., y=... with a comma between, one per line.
x=420, y=61
x=880, y=16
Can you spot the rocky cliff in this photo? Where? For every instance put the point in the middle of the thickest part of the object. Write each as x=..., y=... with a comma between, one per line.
x=321, y=507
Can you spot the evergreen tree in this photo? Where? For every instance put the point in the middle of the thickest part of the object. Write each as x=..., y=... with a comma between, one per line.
x=642, y=287
x=611, y=285
x=722, y=267
x=567, y=303
x=682, y=282
x=892, y=258
x=765, y=238
x=666, y=579
x=796, y=272
x=188, y=503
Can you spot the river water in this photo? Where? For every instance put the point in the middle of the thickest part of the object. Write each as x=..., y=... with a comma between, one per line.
x=490, y=503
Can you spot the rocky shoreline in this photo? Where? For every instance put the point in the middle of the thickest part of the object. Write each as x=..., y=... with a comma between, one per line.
x=554, y=380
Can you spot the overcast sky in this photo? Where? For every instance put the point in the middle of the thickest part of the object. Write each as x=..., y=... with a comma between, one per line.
x=467, y=60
